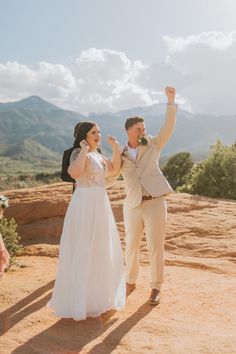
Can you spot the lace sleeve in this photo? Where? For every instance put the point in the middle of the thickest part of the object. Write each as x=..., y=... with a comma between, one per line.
x=74, y=154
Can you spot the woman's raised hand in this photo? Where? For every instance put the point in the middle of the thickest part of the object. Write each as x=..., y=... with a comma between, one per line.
x=84, y=145
x=112, y=141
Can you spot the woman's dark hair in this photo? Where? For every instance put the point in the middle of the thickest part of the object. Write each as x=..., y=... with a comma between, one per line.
x=80, y=132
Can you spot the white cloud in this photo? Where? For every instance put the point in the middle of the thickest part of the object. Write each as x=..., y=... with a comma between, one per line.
x=206, y=64
x=48, y=80
x=16, y=81
x=107, y=81
x=98, y=80
x=215, y=40
x=201, y=67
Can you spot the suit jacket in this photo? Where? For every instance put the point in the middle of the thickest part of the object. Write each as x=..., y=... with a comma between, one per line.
x=144, y=172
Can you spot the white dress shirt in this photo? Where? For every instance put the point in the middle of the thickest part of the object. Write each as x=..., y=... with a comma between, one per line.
x=133, y=152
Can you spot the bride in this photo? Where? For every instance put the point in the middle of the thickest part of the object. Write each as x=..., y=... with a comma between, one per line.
x=90, y=276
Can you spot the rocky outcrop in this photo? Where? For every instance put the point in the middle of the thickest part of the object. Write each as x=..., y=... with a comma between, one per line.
x=198, y=227
x=39, y=212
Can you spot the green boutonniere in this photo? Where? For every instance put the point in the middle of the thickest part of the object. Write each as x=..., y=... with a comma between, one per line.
x=143, y=140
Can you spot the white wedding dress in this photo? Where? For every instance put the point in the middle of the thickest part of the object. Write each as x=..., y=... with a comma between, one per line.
x=90, y=275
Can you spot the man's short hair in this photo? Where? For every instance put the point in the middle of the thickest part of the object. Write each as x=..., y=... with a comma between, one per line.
x=132, y=121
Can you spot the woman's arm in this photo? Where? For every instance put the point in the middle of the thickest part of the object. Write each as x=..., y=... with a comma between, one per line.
x=78, y=159
x=114, y=164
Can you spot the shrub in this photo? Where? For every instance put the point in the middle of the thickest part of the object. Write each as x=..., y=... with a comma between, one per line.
x=10, y=236
x=216, y=176
x=177, y=168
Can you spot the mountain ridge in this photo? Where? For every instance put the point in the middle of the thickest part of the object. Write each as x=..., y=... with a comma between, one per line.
x=32, y=102
x=52, y=127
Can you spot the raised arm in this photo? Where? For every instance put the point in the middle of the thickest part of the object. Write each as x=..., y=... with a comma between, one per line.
x=113, y=165
x=77, y=161
x=167, y=129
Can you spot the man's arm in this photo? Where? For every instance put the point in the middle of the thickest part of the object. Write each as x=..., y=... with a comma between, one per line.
x=167, y=129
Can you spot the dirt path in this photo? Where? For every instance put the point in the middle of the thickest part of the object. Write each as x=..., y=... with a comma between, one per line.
x=196, y=315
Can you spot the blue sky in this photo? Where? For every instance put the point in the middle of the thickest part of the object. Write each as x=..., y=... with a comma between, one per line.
x=55, y=30
x=53, y=46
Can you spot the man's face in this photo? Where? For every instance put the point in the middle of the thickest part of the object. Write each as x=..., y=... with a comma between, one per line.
x=136, y=131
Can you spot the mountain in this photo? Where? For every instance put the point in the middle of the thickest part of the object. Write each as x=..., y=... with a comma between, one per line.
x=193, y=132
x=32, y=102
x=38, y=120
x=35, y=120
x=30, y=150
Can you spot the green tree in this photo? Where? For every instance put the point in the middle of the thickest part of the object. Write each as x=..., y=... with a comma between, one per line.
x=177, y=168
x=216, y=176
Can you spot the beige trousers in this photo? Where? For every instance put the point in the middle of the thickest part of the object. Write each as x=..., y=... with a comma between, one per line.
x=149, y=217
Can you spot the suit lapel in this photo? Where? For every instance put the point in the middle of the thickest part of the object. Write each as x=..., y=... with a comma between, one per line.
x=141, y=150
x=126, y=155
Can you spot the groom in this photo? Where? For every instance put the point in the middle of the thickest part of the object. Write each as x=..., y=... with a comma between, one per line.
x=146, y=188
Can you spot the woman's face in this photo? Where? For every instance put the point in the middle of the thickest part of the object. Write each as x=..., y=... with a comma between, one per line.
x=93, y=137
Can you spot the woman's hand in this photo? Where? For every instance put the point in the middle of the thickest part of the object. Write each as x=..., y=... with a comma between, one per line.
x=112, y=141
x=76, y=167
x=84, y=145
x=114, y=164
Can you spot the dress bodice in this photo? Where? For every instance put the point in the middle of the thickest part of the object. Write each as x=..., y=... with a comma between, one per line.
x=94, y=170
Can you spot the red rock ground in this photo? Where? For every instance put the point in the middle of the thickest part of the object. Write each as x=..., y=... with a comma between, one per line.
x=197, y=313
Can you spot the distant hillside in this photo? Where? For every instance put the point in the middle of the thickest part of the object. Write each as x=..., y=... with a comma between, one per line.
x=193, y=132
x=31, y=151
x=35, y=120
x=30, y=103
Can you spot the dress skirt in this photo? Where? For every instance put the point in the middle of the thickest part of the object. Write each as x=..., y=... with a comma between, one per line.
x=90, y=274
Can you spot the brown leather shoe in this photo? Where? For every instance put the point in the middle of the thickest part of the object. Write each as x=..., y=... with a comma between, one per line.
x=130, y=288
x=154, y=298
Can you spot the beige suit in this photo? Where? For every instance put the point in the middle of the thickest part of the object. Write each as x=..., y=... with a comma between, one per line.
x=144, y=177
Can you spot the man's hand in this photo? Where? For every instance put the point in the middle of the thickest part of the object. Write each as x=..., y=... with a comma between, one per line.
x=170, y=93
